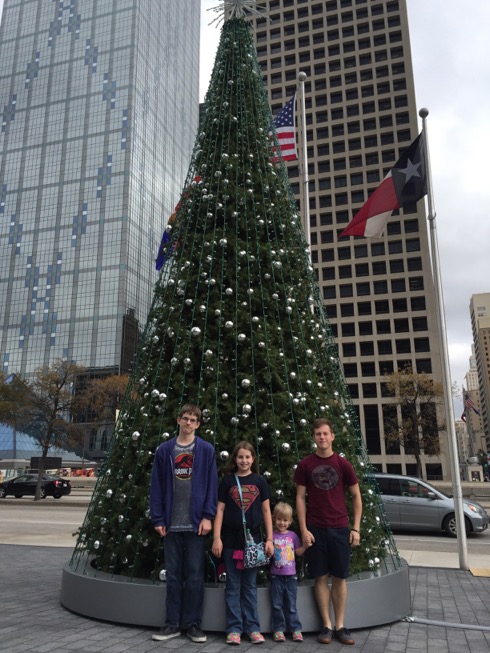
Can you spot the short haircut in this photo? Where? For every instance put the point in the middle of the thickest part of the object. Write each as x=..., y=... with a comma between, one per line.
x=322, y=421
x=283, y=509
x=191, y=409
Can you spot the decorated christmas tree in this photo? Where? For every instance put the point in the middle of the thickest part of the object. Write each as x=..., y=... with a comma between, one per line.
x=236, y=326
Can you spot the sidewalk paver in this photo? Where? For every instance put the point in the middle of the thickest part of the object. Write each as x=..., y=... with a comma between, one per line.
x=451, y=613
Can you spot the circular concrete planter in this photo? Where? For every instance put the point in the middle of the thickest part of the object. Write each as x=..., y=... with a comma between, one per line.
x=373, y=599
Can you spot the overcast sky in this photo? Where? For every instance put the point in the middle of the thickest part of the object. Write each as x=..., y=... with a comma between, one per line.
x=451, y=59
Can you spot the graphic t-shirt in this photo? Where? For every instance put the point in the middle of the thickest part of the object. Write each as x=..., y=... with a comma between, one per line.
x=283, y=562
x=254, y=491
x=181, y=512
x=326, y=480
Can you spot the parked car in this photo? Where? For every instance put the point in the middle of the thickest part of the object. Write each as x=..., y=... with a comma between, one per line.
x=413, y=504
x=51, y=486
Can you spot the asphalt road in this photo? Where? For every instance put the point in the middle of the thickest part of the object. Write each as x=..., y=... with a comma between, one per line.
x=52, y=522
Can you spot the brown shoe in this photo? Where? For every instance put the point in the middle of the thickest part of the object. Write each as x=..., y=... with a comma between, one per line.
x=326, y=636
x=343, y=636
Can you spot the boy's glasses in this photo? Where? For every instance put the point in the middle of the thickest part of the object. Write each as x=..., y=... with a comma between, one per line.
x=191, y=420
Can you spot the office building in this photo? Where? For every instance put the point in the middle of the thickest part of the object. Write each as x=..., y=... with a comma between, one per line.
x=99, y=103
x=360, y=116
x=480, y=325
x=474, y=422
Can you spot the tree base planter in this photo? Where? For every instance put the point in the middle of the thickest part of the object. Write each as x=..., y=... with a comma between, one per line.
x=374, y=599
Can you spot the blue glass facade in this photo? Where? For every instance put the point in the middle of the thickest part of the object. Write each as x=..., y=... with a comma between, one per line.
x=99, y=110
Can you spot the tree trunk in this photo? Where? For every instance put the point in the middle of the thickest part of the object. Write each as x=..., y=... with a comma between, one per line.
x=40, y=473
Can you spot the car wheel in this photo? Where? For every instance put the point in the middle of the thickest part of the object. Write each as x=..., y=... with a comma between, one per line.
x=42, y=493
x=3, y=493
x=449, y=526
x=19, y=496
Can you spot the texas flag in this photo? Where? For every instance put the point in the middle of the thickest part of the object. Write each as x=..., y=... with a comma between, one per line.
x=404, y=185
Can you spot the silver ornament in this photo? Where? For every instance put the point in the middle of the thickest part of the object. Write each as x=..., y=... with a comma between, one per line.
x=135, y=435
x=162, y=575
x=196, y=331
x=245, y=383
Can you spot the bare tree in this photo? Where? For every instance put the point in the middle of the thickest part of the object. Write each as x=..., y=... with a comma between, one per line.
x=102, y=397
x=411, y=420
x=43, y=407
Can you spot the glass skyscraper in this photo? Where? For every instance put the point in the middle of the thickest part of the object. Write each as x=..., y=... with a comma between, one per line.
x=99, y=102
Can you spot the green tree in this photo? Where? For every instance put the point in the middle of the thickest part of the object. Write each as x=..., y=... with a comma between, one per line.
x=411, y=420
x=236, y=325
x=43, y=407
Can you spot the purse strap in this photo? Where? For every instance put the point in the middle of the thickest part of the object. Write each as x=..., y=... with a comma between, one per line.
x=244, y=520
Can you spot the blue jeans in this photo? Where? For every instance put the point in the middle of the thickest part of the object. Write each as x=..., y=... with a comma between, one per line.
x=240, y=597
x=283, y=596
x=184, y=561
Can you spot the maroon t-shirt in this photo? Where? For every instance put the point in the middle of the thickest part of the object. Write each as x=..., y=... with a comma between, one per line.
x=326, y=480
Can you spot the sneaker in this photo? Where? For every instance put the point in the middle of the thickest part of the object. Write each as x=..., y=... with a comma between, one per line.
x=233, y=638
x=256, y=637
x=278, y=636
x=166, y=633
x=326, y=636
x=297, y=636
x=195, y=634
x=343, y=636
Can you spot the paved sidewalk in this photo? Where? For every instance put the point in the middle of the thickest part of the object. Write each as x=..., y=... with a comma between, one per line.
x=32, y=620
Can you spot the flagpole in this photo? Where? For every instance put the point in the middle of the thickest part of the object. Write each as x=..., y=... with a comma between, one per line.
x=306, y=199
x=446, y=374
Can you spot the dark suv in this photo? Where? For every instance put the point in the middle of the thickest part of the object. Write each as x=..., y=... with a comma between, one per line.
x=413, y=504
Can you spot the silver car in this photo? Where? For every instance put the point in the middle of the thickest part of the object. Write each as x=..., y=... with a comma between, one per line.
x=413, y=504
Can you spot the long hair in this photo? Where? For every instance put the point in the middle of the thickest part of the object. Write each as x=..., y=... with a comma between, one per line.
x=232, y=467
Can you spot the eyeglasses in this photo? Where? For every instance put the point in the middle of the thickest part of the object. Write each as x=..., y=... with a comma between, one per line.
x=191, y=420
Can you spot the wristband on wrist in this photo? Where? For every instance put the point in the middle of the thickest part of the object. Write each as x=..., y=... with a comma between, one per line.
x=355, y=530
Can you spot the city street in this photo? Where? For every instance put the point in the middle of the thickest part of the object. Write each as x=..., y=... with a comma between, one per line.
x=52, y=523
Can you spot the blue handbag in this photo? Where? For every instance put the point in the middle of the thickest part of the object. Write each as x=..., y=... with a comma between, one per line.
x=254, y=554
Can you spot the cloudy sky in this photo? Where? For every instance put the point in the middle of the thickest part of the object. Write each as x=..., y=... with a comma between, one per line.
x=451, y=61
x=451, y=55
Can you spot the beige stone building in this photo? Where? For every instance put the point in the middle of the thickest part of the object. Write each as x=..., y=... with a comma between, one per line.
x=360, y=116
x=480, y=324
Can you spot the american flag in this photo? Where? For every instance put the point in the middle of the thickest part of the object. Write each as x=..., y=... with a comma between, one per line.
x=468, y=402
x=286, y=131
